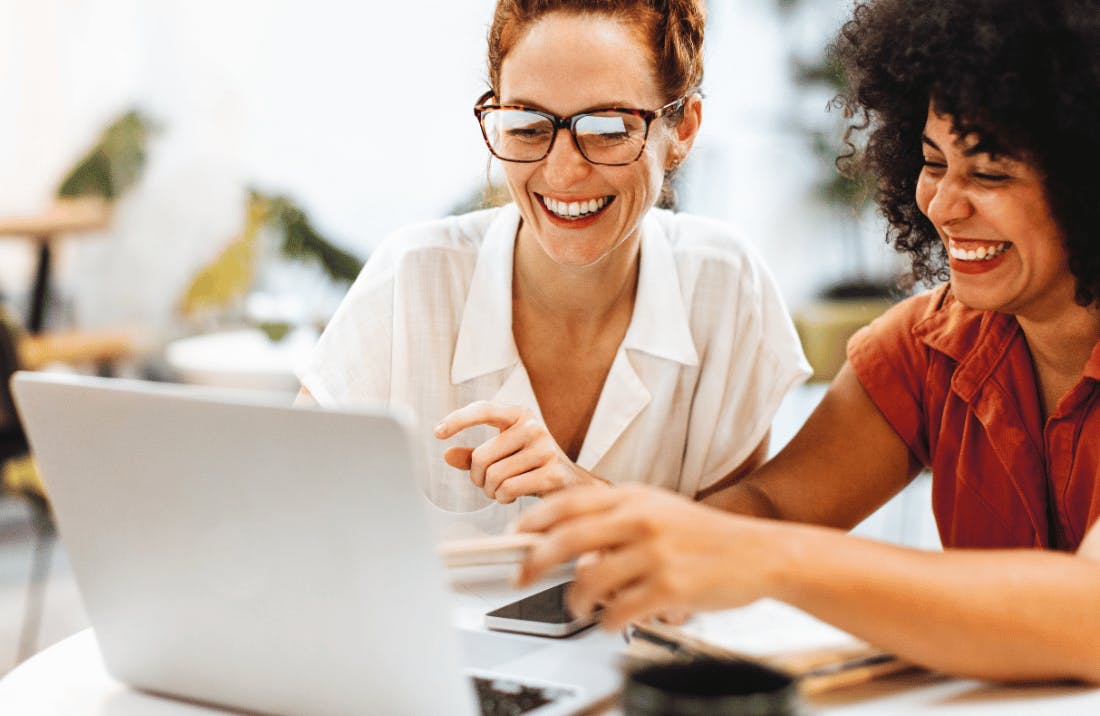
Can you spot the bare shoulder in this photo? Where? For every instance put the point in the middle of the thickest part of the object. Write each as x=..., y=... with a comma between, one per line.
x=1090, y=545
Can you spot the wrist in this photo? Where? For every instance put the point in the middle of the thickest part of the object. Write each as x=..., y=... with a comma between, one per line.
x=795, y=548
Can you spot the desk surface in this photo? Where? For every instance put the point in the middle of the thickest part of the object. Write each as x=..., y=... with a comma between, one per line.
x=69, y=679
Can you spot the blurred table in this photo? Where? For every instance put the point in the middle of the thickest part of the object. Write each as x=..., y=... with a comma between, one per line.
x=244, y=358
x=66, y=216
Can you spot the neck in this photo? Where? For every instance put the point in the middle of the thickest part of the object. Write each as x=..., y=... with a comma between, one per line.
x=1062, y=341
x=574, y=296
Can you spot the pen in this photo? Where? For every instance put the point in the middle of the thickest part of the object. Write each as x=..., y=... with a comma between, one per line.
x=667, y=644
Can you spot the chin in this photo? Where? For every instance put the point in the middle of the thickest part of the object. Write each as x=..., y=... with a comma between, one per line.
x=977, y=299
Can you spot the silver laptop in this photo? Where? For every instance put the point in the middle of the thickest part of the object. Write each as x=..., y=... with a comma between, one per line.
x=233, y=550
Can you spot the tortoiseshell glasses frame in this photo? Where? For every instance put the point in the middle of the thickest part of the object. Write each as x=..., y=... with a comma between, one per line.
x=611, y=136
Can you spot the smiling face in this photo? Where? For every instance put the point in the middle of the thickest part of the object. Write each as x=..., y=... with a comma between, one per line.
x=579, y=213
x=992, y=214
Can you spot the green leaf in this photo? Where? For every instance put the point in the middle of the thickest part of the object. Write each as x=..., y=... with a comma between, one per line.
x=115, y=163
x=302, y=241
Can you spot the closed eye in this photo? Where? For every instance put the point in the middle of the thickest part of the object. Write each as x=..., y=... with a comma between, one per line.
x=528, y=133
x=607, y=137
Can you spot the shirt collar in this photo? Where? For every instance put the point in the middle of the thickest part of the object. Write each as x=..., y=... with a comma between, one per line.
x=485, y=343
x=659, y=325
x=976, y=340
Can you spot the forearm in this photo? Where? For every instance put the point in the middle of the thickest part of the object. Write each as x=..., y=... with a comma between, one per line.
x=826, y=475
x=1005, y=614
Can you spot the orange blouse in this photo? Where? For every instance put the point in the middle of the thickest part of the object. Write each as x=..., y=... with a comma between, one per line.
x=958, y=386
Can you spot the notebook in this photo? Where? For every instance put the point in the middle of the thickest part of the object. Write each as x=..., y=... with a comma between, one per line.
x=233, y=550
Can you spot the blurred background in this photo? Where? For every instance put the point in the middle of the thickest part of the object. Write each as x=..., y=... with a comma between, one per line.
x=257, y=151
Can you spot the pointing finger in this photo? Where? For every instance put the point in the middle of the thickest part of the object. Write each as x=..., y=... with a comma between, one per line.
x=481, y=412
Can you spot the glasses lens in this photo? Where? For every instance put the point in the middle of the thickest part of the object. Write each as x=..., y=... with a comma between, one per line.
x=517, y=135
x=611, y=137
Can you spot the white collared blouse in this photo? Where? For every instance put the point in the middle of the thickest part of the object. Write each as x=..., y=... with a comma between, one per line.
x=708, y=356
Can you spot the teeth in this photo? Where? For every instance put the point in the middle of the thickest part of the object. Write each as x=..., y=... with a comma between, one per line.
x=983, y=253
x=574, y=209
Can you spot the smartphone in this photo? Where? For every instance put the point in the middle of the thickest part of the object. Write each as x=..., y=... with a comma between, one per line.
x=542, y=614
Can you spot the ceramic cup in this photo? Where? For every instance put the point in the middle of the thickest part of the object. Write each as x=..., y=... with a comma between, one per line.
x=710, y=687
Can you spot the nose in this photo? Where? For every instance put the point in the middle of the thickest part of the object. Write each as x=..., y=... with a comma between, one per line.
x=564, y=166
x=949, y=202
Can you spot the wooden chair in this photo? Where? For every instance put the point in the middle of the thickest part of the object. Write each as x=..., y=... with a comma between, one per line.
x=19, y=477
x=33, y=347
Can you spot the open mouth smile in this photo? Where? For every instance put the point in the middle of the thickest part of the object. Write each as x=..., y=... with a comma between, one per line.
x=972, y=251
x=969, y=256
x=575, y=210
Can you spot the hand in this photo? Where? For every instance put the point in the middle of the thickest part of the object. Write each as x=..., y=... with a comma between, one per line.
x=675, y=617
x=649, y=551
x=523, y=460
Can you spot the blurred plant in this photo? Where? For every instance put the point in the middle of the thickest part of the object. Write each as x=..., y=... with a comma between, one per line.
x=846, y=187
x=224, y=282
x=114, y=163
x=301, y=240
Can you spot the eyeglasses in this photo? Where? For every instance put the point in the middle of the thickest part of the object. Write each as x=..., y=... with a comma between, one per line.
x=613, y=136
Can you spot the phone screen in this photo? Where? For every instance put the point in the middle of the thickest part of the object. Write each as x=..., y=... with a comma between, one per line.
x=547, y=606
x=542, y=614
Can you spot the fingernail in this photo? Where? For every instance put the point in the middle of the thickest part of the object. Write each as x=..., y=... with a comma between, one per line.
x=439, y=428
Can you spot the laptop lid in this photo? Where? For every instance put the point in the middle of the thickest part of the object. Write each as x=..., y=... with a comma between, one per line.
x=234, y=550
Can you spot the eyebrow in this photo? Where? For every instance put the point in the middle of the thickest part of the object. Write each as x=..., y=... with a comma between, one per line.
x=972, y=151
x=603, y=105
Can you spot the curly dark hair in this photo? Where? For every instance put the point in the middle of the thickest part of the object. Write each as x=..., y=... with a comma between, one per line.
x=1023, y=76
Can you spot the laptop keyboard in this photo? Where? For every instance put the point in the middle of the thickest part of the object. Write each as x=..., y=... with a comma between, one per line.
x=503, y=697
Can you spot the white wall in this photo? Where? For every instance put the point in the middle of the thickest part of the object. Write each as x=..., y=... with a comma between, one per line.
x=361, y=110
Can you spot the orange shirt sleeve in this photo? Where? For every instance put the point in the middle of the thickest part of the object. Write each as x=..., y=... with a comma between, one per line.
x=892, y=365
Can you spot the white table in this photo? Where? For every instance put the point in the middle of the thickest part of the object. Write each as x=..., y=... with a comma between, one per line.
x=243, y=358
x=69, y=679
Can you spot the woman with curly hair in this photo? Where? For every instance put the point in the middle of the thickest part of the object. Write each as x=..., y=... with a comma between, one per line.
x=981, y=120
